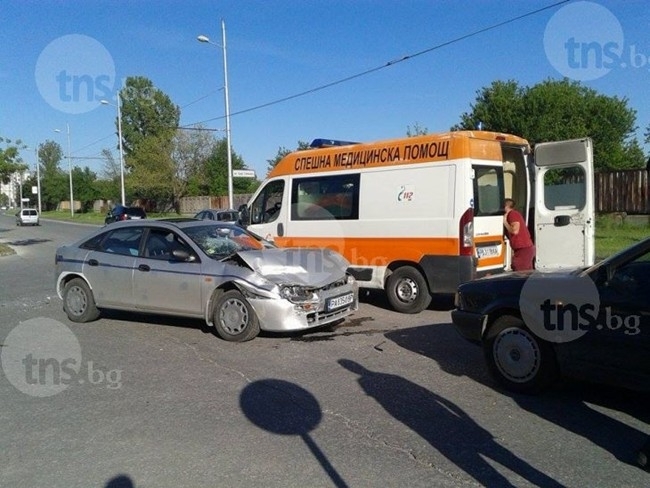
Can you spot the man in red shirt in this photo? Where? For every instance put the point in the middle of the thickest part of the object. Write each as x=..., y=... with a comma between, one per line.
x=523, y=250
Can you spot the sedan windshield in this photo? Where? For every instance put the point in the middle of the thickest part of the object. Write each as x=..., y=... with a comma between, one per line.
x=220, y=241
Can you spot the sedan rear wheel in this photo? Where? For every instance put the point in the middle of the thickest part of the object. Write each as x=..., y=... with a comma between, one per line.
x=234, y=318
x=518, y=359
x=79, y=302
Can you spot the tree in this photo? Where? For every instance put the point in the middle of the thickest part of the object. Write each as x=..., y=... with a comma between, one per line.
x=416, y=130
x=215, y=172
x=190, y=153
x=10, y=160
x=556, y=110
x=149, y=123
x=282, y=152
x=86, y=191
x=110, y=186
x=152, y=171
x=54, y=183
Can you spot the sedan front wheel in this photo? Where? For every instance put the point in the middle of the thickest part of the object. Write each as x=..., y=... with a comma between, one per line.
x=518, y=359
x=234, y=318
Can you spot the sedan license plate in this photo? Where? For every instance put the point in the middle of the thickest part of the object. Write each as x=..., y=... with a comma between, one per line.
x=341, y=301
x=487, y=251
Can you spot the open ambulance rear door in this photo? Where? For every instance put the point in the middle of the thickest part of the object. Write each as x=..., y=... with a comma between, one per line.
x=564, y=204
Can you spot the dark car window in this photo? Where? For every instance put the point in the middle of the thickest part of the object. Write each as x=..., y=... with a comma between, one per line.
x=135, y=212
x=123, y=241
x=93, y=242
x=162, y=242
x=227, y=216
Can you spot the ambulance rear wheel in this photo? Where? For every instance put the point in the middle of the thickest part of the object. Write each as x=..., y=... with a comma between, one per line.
x=407, y=290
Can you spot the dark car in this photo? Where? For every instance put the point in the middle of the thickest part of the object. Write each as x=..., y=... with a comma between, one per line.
x=591, y=324
x=120, y=212
x=219, y=215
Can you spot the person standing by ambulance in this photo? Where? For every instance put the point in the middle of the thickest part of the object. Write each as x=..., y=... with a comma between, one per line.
x=523, y=249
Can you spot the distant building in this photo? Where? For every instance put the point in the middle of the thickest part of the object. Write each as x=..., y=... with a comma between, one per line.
x=12, y=189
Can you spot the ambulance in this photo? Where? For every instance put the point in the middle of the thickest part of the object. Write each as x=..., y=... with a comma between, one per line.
x=417, y=216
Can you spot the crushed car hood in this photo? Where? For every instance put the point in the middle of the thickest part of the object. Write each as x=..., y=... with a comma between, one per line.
x=306, y=267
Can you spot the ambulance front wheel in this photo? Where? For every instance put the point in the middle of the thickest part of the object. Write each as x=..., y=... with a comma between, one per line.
x=407, y=290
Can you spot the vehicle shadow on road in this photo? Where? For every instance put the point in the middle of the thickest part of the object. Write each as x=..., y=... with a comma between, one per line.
x=567, y=404
x=570, y=405
x=179, y=322
x=442, y=344
x=441, y=303
x=27, y=242
x=162, y=320
x=446, y=427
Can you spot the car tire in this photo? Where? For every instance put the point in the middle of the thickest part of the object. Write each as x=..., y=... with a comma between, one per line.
x=518, y=359
x=407, y=290
x=234, y=318
x=79, y=302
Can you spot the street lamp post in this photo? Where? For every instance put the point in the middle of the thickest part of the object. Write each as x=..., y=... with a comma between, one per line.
x=119, y=136
x=69, y=170
x=227, y=104
x=38, y=180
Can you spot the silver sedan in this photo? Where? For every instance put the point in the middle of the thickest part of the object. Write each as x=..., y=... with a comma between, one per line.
x=217, y=271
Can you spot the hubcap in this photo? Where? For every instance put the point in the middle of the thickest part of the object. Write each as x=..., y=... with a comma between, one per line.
x=76, y=300
x=407, y=290
x=234, y=316
x=516, y=355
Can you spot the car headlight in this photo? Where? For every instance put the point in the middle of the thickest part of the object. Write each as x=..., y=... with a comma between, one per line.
x=298, y=294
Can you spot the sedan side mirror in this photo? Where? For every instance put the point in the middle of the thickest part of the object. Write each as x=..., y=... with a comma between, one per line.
x=183, y=255
x=244, y=216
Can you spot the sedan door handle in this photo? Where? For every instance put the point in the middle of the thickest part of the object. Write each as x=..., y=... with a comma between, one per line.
x=93, y=262
x=144, y=267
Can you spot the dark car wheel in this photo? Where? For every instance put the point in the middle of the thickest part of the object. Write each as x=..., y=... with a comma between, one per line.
x=407, y=290
x=516, y=358
x=234, y=318
x=78, y=301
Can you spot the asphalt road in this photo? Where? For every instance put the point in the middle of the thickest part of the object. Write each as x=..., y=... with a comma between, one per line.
x=382, y=400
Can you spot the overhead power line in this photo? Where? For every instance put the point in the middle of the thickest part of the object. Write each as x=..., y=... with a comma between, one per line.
x=389, y=63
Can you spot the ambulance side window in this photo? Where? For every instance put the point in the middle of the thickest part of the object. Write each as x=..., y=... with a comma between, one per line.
x=266, y=207
x=488, y=190
x=325, y=198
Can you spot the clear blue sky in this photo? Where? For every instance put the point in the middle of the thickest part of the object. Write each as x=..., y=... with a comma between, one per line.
x=280, y=48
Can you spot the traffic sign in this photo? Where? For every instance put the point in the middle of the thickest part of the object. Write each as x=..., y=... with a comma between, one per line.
x=243, y=173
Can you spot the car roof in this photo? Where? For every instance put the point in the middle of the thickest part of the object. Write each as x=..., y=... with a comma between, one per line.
x=217, y=210
x=175, y=222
